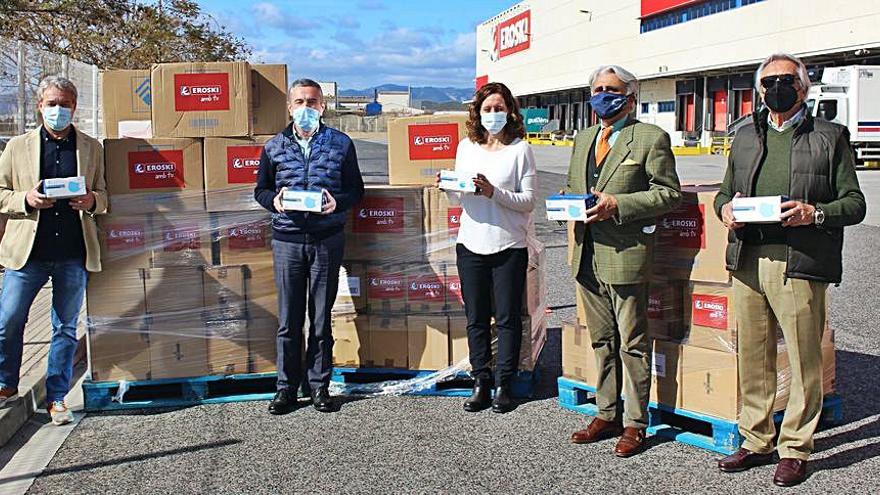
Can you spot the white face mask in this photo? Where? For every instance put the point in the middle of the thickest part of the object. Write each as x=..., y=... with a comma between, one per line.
x=493, y=122
x=57, y=117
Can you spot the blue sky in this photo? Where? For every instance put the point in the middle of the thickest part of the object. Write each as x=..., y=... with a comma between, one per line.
x=362, y=43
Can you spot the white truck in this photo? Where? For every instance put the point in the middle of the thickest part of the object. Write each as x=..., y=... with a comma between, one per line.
x=850, y=96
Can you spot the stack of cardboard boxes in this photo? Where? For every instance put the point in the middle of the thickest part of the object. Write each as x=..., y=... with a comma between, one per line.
x=691, y=318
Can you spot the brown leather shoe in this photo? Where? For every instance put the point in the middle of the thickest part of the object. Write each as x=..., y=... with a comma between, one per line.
x=630, y=442
x=742, y=460
x=599, y=429
x=790, y=472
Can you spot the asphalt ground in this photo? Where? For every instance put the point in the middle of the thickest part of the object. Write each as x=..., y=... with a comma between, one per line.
x=430, y=445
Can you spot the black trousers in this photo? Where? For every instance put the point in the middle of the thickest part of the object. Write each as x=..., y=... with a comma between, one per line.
x=499, y=277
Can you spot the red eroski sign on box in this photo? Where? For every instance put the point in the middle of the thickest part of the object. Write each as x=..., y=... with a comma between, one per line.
x=247, y=236
x=453, y=218
x=125, y=237
x=242, y=164
x=684, y=228
x=709, y=311
x=453, y=289
x=201, y=92
x=378, y=215
x=155, y=169
x=432, y=141
x=181, y=238
x=386, y=286
x=425, y=288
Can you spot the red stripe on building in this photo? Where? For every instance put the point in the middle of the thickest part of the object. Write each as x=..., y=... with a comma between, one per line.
x=654, y=7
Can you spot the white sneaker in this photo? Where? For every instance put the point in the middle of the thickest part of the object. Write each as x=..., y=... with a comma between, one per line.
x=61, y=415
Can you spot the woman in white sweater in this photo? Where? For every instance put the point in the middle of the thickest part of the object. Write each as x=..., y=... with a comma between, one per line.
x=491, y=250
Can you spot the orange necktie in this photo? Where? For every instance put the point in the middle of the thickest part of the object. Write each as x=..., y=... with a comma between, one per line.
x=603, y=147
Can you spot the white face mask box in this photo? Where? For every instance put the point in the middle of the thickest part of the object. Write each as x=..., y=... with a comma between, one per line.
x=451, y=181
x=759, y=209
x=66, y=187
x=569, y=206
x=302, y=200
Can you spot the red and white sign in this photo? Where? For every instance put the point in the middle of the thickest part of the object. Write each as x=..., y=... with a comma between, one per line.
x=655, y=305
x=513, y=35
x=683, y=228
x=709, y=311
x=386, y=286
x=242, y=164
x=375, y=215
x=201, y=92
x=453, y=218
x=480, y=81
x=155, y=169
x=125, y=237
x=425, y=288
x=181, y=238
x=247, y=236
x=453, y=289
x=653, y=7
x=432, y=141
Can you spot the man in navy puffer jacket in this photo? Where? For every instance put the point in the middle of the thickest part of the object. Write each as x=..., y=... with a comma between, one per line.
x=307, y=247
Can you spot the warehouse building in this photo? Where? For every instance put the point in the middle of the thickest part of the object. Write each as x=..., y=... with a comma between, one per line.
x=695, y=58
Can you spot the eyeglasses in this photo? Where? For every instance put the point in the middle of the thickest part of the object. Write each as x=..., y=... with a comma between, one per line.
x=780, y=79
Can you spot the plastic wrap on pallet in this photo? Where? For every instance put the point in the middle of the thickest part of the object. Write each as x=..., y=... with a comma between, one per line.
x=191, y=293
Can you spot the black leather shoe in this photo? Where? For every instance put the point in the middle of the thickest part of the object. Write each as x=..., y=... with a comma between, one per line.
x=502, y=402
x=481, y=397
x=321, y=400
x=742, y=460
x=283, y=402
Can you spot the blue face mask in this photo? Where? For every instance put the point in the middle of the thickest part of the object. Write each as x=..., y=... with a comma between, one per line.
x=57, y=118
x=493, y=121
x=306, y=118
x=607, y=105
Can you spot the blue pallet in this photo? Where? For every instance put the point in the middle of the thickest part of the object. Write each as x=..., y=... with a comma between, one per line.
x=724, y=437
x=185, y=392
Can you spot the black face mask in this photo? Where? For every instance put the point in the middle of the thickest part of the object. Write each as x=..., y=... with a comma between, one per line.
x=780, y=98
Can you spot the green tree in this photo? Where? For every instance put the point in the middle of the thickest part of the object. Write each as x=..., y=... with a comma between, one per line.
x=121, y=34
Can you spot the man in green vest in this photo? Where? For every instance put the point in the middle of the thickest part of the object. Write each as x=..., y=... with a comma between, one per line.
x=628, y=165
x=782, y=270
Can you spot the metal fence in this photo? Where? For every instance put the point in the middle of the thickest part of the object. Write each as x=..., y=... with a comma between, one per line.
x=22, y=67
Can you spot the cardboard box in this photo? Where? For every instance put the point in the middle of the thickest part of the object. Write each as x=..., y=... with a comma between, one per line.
x=116, y=298
x=428, y=341
x=442, y=221
x=154, y=175
x=759, y=209
x=458, y=343
x=292, y=200
x=124, y=242
x=452, y=181
x=386, y=289
x=351, y=340
x=178, y=348
x=201, y=99
x=665, y=377
x=709, y=317
x=180, y=240
x=387, y=225
x=569, y=207
x=420, y=147
x=454, y=298
x=231, y=166
x=262, y=348
x=666, y=309
x=126, y=99
x=351, y=296
x=580, y=304
x=224, y=290
x=227, y=342
x=245, y=238
x=261, y=292
x=691, y=241
x=269, y=98
x=389, y=347
x=119, y=353
x=783, y=374
x=426, y=288
x=534, y=337
x=175, y=293
x=66, y=187
x=578, y=358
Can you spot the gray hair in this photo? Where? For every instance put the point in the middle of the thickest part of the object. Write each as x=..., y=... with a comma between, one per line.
x=803, y=75
x=57, y=82
x=625, y=76
x=305, y=83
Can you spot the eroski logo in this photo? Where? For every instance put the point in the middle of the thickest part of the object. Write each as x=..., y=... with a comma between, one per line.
x=244, y=231
x=431, y=140
x=200, y=90
x=426, y=286
x=680, y=223
x=372, y=213
x=124, y=234
x=148, y=168
x=245, y=163
x=709, y=305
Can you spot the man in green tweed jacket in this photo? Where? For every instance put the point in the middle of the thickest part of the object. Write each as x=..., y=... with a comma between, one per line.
x=630, y=168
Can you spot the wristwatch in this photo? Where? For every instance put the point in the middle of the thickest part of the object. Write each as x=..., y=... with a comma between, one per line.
x=818, y=216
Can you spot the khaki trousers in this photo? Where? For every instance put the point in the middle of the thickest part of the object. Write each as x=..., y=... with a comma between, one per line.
x=617, y=318
x=763, y=298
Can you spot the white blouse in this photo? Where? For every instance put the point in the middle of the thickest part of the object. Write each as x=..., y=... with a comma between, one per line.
x=504, y=221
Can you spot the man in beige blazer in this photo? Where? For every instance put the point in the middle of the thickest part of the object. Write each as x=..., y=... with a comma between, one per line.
x=48, y=238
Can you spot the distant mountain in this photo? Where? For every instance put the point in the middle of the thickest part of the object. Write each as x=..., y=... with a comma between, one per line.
x=424, y=93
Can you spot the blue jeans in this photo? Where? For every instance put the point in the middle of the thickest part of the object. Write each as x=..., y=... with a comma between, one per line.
x=20, y=287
